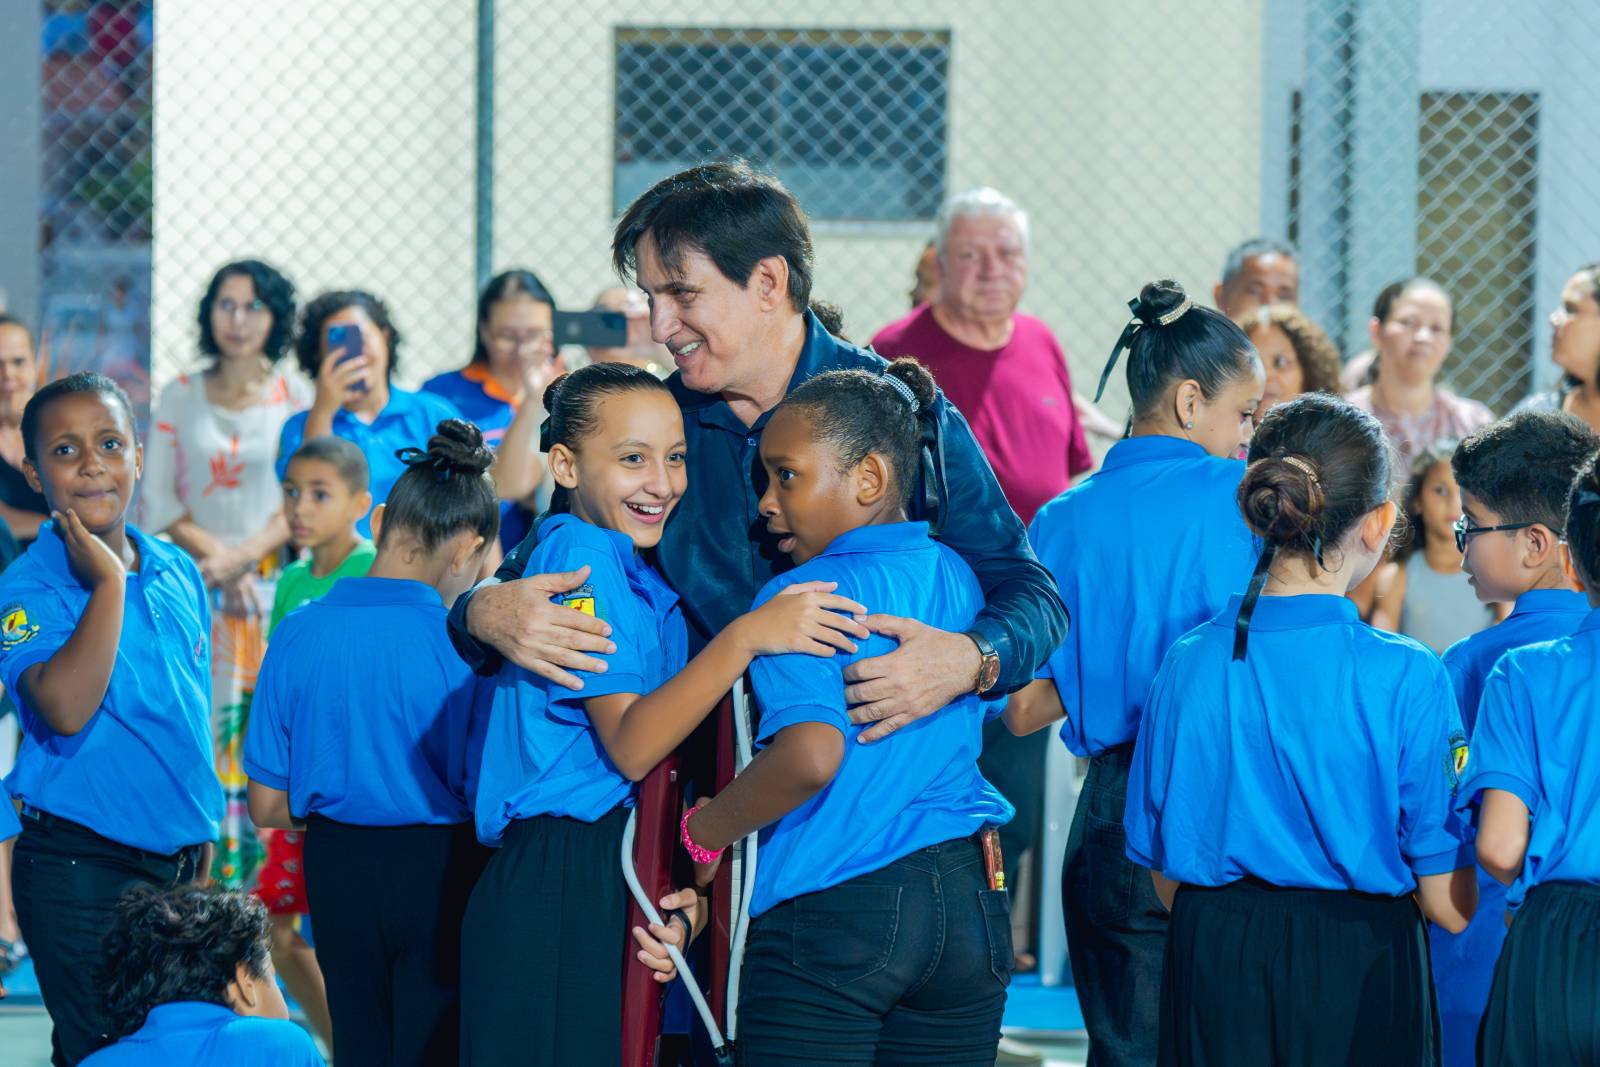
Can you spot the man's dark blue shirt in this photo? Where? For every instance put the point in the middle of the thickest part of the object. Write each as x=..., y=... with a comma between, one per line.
x=717, y=554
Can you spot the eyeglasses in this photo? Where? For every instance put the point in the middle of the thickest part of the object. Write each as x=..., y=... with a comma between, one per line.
x=1464, y=531
x=516, y=340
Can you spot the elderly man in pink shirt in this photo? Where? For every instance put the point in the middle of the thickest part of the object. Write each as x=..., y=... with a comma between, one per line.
x=1003, y=370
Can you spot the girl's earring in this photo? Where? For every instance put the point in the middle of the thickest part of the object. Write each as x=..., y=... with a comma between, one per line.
x=1188, y=426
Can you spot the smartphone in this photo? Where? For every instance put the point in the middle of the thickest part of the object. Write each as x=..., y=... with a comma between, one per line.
x=348, y=338
x=592, y=329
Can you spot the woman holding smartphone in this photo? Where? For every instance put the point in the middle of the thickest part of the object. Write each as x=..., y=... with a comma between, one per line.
x=349, y=345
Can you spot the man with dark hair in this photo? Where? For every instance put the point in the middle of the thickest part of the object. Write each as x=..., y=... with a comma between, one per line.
x=1258, y=272
x=724, y=256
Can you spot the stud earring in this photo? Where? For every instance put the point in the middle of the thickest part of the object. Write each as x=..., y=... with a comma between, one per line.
x=1188, y=426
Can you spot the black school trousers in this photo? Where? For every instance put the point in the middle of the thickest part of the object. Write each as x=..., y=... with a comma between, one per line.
x=543, y=947
x=1316, y=978
x=1116, y=925
x=66, y=880
x=386, y=903
x=1544, y=1006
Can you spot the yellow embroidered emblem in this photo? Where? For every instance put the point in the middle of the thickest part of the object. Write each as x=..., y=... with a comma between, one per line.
x=15, y=629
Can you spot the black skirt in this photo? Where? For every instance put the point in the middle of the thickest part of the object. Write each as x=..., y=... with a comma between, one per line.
x=1544, y=1006
x=543, y=947
x=1257, y=974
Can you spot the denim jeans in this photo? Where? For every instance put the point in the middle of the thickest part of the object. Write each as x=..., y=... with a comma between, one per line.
x=907, y=964
x=1116, y=925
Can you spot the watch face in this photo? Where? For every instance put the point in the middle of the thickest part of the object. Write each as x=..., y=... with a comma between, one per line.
x=989, y=673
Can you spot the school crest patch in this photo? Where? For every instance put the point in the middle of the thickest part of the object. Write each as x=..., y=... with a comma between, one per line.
x=15, y=629
x=1456, y=761
x=581, y=599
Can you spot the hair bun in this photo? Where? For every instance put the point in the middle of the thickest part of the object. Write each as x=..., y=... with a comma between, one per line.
x=1282, y=503
x=1158, y=298
x=459, y=445
x=917, y=378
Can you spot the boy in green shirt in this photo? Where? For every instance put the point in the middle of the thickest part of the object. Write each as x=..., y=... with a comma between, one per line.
x=325, y=494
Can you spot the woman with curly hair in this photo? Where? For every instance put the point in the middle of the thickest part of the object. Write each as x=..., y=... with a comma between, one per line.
x=209, y=485
x=1296, y=353
x=349, y=346
x=187, y=979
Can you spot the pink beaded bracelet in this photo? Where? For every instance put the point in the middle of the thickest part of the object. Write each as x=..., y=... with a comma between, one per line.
x=696, y=853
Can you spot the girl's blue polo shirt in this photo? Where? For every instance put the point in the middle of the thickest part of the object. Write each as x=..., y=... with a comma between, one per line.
x=407, y=421
x=541, y=755
x=363, y=710
x=1539, y=615
x=1538, y=737
x=475, y=393
x=917, y=788
x=185, y=1033
x=1148, y=547
x=10, y=825
x=141, y=771
x=1326, y=759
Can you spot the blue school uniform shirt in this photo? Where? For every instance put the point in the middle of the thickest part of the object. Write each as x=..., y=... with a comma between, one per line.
x=1539, y=615
x=407, y=421
x=1326, y=759
x=197, y=1034
x=541, y=755
x=141, y=771
x=1148, y=547
x=917, y=788
x=10, y=825
x=475, y=393
x=1538, y=738
x=363, y=711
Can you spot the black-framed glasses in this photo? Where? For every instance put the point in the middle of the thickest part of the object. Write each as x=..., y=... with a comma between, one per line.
x=1464, y=531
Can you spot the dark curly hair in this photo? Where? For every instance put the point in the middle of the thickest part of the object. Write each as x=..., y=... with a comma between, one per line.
x=184, y=943
x=1583, y=524
x=857, y=412
x=1318, y=356
x=308, y=345
x=272, y=289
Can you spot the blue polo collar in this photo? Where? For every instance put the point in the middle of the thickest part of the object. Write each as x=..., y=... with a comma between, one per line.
x=884, y=537
x=1292, y=612
x=1151, y=448
x=154, y=556
x=383, y=592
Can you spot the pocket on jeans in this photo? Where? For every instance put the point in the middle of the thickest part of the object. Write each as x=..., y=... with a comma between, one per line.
x=996, y=905
x=847, y=933
x=1109, y=872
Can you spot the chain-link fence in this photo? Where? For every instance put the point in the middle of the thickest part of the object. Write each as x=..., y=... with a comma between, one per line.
x=409, y=146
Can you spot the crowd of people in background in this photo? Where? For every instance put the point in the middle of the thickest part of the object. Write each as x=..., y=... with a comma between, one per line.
x=880, y=545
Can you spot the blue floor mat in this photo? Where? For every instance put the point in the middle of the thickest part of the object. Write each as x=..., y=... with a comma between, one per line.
x=1032, y=1006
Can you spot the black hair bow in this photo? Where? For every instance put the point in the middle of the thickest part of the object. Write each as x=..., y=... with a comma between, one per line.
x=1123, y=341
x=416, y=457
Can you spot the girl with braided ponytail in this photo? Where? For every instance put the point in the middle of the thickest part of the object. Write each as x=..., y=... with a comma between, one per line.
x=1142, y=551
x=1293, y=782
x=359, y=734
x=1534, y=783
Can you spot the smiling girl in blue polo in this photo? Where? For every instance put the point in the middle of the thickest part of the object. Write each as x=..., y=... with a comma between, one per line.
x=560, y=767
x=876, y=933
x=103, y=645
